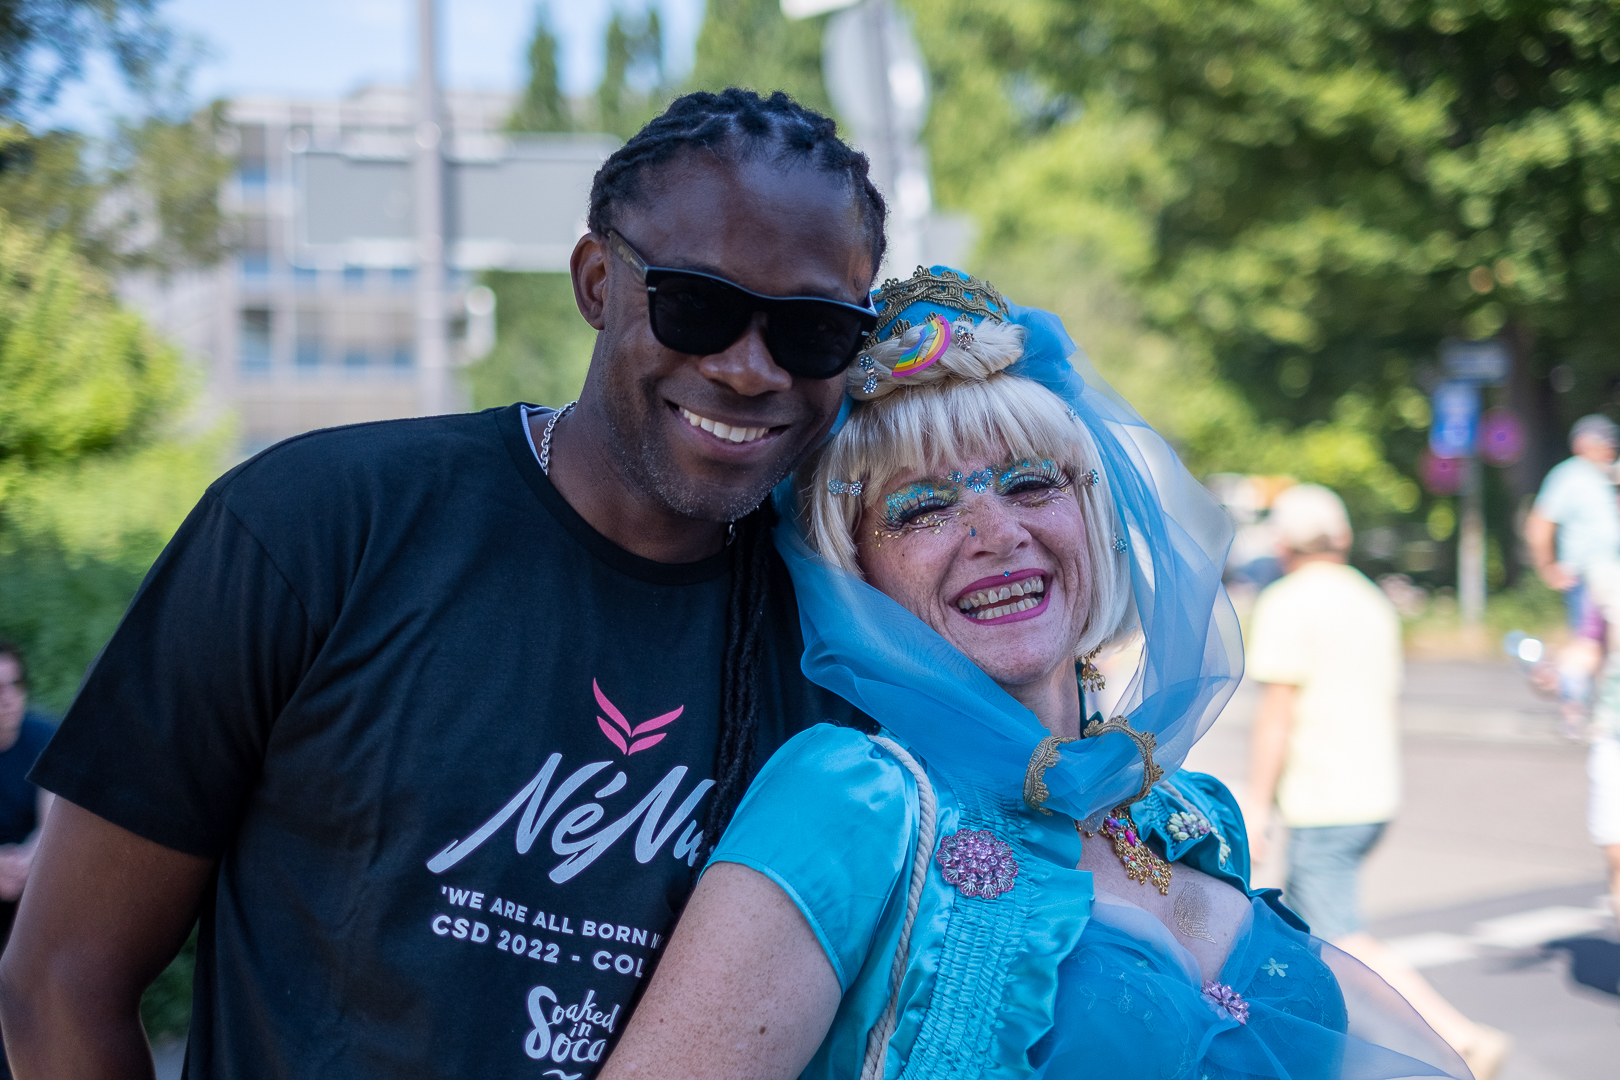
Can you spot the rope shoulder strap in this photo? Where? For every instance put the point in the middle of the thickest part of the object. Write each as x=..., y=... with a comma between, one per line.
x=877, y=1040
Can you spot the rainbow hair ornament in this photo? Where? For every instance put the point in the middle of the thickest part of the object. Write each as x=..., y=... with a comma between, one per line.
x=935, y=340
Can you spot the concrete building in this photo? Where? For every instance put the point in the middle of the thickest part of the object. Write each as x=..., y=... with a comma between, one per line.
x=310, y=322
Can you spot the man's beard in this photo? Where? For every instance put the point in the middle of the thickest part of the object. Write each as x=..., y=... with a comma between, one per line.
x=649, y=466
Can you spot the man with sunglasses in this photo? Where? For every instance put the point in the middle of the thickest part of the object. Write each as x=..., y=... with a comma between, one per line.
x=433, y=722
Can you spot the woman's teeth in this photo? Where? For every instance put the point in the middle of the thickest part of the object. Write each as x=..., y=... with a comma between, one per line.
x=1021, y=593
x=723, y=431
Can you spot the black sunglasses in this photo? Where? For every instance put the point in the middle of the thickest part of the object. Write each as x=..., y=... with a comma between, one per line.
x=700, y=314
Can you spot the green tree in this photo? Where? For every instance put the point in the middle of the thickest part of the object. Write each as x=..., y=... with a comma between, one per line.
x=542, y=107
x=632, y=88
x=98, y=463
x=750, y=43
x=1339, y=186
x=542, y=344
x=43, y=45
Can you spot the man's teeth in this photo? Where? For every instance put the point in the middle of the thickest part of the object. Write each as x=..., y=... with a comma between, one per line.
x=976, y=605
x=724, y=431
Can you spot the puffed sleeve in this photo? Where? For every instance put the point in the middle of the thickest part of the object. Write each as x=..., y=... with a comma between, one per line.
x=832, y=819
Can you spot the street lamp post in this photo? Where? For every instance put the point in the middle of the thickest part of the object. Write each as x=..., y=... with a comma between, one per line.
x=432, y=346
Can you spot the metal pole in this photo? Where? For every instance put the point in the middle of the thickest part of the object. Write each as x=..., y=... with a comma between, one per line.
x=1471, y=547
x=432, y=346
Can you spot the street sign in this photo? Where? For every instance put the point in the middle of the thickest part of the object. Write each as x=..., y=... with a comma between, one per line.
x=516, y=203
x=1456, y=414
x=1485, y=362
x=1501, y=437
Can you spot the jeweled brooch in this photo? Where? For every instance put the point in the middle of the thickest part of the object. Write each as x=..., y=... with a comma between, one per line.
x=977, y=862
x=1227, y=1000
x=1142, y=863
x=1187, y=825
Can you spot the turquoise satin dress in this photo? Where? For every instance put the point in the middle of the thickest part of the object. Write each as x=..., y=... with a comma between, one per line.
x=1042, y=980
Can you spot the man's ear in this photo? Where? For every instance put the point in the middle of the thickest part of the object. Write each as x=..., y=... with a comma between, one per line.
x=588, y=266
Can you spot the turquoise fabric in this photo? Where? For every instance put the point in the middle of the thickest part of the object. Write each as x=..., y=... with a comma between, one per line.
x=1042, y=981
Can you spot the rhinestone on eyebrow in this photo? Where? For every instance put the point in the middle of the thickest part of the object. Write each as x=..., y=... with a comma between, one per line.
x=978, y=481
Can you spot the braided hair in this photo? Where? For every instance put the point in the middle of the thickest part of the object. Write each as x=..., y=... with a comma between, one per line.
x=737, y=126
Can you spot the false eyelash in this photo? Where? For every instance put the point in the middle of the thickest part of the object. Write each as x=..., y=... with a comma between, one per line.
x=1047, y=470
x=902, y=508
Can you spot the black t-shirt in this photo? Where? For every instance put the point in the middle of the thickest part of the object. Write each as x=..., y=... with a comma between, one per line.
x=19, y=799
x=451, y=746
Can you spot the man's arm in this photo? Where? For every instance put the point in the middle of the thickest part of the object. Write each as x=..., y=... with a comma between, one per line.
x=743, y=993
x=104, y=912
x=1539, y=536
x=1268, y=752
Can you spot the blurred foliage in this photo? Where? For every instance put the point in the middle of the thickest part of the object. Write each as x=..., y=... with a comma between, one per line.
x=166, y=1005
x=96, y=469
x=632, y=90
x=542, y=106
x=147, y=198
x=542, y=345
x=68, y=30
x=749, y=43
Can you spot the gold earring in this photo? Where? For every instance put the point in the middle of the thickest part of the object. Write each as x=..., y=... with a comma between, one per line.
x=1091, y=677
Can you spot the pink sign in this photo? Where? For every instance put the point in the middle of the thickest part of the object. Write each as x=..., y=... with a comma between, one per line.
x=1501, y=437
x=1440, y=475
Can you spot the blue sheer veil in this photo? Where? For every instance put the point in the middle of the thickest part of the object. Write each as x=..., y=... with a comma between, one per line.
x=883, y=659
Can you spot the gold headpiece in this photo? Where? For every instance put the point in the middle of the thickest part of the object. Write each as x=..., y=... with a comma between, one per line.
x=950, y=293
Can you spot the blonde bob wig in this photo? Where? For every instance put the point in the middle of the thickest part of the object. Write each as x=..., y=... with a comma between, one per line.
x=963, y=408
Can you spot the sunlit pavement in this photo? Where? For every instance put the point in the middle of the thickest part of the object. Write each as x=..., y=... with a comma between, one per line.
x=1486, y=879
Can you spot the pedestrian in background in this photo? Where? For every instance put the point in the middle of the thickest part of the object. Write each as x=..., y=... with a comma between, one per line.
x=1573, y=534
x=1326, y=644
x=23, y=734
x=1577, y=514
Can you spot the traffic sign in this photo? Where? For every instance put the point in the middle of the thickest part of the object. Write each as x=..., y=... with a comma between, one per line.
x=1456, y=415
x=1485, y=362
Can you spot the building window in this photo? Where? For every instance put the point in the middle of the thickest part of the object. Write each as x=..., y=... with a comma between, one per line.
x=354, y=277
x=306, y=277
x=354, y=356
x=308, y=354
x=402, y=277
x=253, y=340
x=404, y=357
x=255, y=267
x=254, y=178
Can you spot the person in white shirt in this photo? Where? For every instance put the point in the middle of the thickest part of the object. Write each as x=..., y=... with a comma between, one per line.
x=1326, y=645
x=1578, y=509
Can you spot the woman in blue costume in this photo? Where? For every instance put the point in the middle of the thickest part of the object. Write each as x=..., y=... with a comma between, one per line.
x=994, y=884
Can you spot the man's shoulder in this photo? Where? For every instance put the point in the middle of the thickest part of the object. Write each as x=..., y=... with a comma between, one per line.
x=1571, y=477
x=385, y=455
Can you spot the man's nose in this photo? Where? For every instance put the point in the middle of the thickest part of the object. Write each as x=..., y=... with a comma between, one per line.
x=747, y=366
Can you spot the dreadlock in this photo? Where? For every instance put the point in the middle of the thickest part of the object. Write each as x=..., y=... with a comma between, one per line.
x=739, y=670
x=737, y=126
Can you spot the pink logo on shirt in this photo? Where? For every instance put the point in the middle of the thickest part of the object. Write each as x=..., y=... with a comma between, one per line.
x=630, y=741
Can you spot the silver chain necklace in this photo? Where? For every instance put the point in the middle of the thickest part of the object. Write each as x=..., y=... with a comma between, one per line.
x=545, y=436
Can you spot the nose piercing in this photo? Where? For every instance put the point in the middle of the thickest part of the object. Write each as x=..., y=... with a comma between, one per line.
x=972, y=531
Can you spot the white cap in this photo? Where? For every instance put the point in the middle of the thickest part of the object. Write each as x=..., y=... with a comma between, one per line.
x=1310, y=519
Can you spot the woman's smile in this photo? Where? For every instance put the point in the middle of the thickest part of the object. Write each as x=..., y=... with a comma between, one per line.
x=1012, y=597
